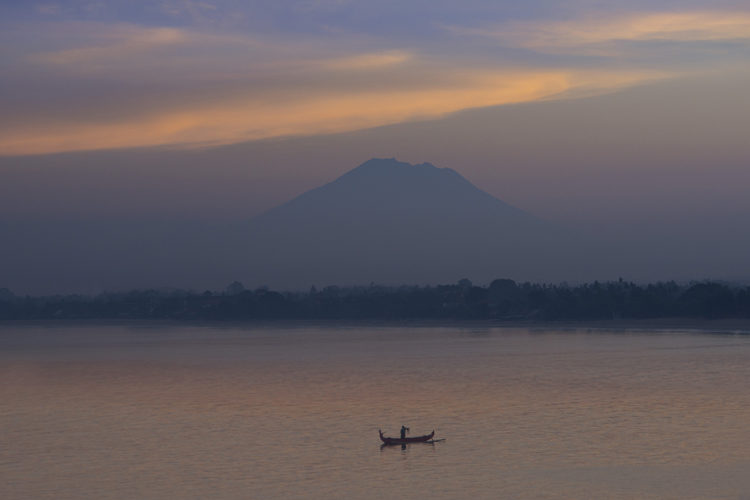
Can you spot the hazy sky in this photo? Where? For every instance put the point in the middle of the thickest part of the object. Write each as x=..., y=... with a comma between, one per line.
x=650, y=96
x=630, y=116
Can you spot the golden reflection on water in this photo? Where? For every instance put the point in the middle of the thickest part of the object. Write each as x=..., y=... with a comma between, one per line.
x=202, y=412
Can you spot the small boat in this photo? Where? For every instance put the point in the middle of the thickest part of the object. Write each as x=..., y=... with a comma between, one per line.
x=418, y=439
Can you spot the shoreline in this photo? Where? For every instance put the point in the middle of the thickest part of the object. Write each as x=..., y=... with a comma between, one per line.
x=722, y=325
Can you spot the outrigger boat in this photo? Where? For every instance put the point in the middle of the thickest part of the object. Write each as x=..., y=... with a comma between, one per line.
x=418, y=439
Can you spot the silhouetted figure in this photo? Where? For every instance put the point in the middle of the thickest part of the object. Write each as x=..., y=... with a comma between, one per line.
x=404, y=430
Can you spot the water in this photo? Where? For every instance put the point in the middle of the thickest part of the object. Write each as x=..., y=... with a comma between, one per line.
x=148, y=411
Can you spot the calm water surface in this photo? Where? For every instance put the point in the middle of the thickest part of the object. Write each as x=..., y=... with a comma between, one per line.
x=147, y=411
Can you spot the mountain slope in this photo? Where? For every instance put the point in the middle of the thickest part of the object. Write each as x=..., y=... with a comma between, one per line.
x=393, y=194
x=392, y=222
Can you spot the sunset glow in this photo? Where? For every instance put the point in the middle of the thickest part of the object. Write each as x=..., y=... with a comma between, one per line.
x=128, y=84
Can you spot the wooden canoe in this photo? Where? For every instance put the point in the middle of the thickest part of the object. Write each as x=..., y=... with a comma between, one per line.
x=417, y=439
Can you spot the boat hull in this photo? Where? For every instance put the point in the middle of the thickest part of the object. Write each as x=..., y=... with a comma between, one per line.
x=417, y=439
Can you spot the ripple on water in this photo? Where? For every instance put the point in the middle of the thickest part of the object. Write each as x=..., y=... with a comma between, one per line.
x=230, y=412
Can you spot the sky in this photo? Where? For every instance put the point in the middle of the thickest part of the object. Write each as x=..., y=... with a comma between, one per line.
x=626, y=117
x=83, y=75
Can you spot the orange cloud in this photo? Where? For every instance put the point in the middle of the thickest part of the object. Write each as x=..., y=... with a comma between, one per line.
x=271, y=114
x=117, y=42
x=179, y=87
x=556, y=36
x=370, y=60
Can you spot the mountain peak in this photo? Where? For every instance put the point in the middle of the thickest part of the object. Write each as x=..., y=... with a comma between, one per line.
x=390, y=170
x=391, y=164
x=388, y=190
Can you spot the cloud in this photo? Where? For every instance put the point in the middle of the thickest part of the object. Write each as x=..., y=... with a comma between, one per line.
x=296, y=112
x=114, y=44
x=88, y=85
x=48, y=9
x=371, y=60
x=596, y=32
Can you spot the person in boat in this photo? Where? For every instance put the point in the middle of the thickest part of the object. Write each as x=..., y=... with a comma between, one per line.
x=404, y=430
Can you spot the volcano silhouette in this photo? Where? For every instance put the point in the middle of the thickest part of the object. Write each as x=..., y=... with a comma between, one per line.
x=391, y=222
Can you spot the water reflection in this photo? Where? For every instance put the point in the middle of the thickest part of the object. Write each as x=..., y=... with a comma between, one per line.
x=403, y=446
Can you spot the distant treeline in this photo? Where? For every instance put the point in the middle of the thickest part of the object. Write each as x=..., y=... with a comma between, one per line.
x=504, y=299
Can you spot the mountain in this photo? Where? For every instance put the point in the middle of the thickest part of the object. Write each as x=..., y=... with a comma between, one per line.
x=392, y=222
x=388, y=195
x=385, y=221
